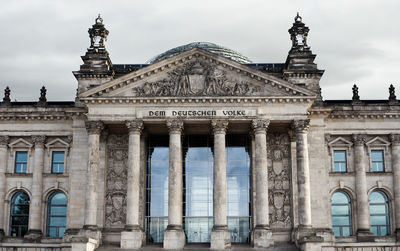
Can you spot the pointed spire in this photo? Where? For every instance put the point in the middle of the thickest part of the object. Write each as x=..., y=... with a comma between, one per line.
x=42, y=98
x=356, y=97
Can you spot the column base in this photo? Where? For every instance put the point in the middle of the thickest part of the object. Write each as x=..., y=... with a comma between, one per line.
x=220, y=237
x=132, y=238
x=365, y=235
x=174, y=237
x=262, y=237
x=33, y=235
x=87, y=238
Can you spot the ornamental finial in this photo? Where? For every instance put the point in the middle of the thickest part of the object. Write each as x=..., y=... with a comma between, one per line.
x=6, y=98
x=298, y=35
x=355, y=97
x=99, y=20
x=392, y=94
x=298, y=18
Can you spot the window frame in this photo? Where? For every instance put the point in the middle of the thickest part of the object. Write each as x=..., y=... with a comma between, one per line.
x=345, y=161
x=387, y=214
x=26, y=163
x=350, y=214
x=371, y=162
x=48, y=216
x=52, y=160
x=11, y=214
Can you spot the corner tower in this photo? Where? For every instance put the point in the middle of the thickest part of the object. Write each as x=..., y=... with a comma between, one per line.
x=97, y=67
x=300, y=68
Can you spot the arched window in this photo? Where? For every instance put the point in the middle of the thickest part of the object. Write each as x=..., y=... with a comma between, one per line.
x=379, y=213
x=19, y=215
x=57, y=215
x=341, y=214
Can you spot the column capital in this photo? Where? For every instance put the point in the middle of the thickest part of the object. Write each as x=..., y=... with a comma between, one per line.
x=359, y=139
x=394, y=138
x=175, y=126
x=260, y=125
x=134, y=126
x=4, y=140
x=219, y=126
x=301, y=125
x=94, y=127
x=39, y=140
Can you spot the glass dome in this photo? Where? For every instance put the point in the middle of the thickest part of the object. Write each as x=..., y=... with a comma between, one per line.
x=213, y=48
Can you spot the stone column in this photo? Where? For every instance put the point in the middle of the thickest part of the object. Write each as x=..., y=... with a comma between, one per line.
x=3, y=169
x=94, y=129
x=262, y=235
x=133, y=236
x=395, y=139
x=303, y=173
x=363, y=225
x=220, y=236
x=174, y=237
x=35, y=209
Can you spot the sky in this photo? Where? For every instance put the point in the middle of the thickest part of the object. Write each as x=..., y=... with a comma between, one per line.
x=356, y=42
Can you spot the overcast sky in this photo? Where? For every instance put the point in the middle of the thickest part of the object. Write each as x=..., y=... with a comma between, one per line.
x=41, y=41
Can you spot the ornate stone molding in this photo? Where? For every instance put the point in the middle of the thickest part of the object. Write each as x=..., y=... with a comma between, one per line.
x=301, y=126
x=94, y=127
x=219, y=126
x=394, y=138
x=359, y=139
x=134, y=126
x=39, y=140
x=175, y=126
x=260, y=125
x=4, y=140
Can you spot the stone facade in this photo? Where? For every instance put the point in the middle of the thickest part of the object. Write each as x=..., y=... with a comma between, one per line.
x=294, y=135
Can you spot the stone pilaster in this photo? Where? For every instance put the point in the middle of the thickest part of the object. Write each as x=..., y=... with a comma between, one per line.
x=133, y=236
x=395, y=139
x=35, y=209
x=363, y=224
x=262, y=235
x=303, y=173
x=3, y=166
x=94, y=129
x=220, y=236
x=174, y=237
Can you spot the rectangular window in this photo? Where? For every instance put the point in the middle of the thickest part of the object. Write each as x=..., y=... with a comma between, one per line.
x=21, y=162
x=339, y=160
x=57, y=162
x=377, y=162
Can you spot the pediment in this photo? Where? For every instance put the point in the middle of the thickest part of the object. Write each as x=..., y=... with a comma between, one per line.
x=197, y=73
x=20, y=143
x=340, y=141
x=377, y=141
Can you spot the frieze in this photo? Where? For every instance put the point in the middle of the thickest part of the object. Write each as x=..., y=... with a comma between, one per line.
x=195, y=113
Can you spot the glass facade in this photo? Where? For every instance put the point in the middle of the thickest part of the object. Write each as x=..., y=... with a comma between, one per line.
x=339, y=159
x=379, y=213
x=21, y=162
x=57, y=162
x=57, y=215
x=341, y=214
x=19, y=215
x=157, y=188
x=377, y=161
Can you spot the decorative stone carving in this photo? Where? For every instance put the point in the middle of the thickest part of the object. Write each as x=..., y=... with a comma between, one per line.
x=260, y=125
x=117, y=156
x=219, y=126
x=94, y=127
x=359, y=139
x=134, y=125
x=39, y=140
x=4, y=140
x=175, y=126
x=278, y=151
x=301, y=125
x=394, y=138
x=196, y=78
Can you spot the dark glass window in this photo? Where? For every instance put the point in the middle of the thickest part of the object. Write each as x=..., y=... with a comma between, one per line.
x=379, y=213
x=339, y=160
x=21, y=162
x=157, y=188
x=341, y=214
x=238, y=187
x=19, y=215
x=57, y=215
x=57, y=162
x=377, y=161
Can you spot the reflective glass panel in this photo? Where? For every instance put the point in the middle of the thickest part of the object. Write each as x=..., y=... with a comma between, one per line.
x=57, y=215
x=198, y=189
x=379, y=213
x=339, y=158
x=377, y=161
x=341, y=214
x=21, y=161
x=238, y=187
x=157, y=188
x=57, y=164
x=19, y=216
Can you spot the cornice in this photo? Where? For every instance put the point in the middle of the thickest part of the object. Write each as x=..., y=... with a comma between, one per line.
x=39, y=116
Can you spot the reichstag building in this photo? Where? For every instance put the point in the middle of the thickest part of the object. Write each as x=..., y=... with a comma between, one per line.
x=200, y=148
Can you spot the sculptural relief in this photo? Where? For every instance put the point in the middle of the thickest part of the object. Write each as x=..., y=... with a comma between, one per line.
x=279, y=180
x=117, y=155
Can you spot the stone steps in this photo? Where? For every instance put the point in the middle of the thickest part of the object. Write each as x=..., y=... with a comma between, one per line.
x=199, y=247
